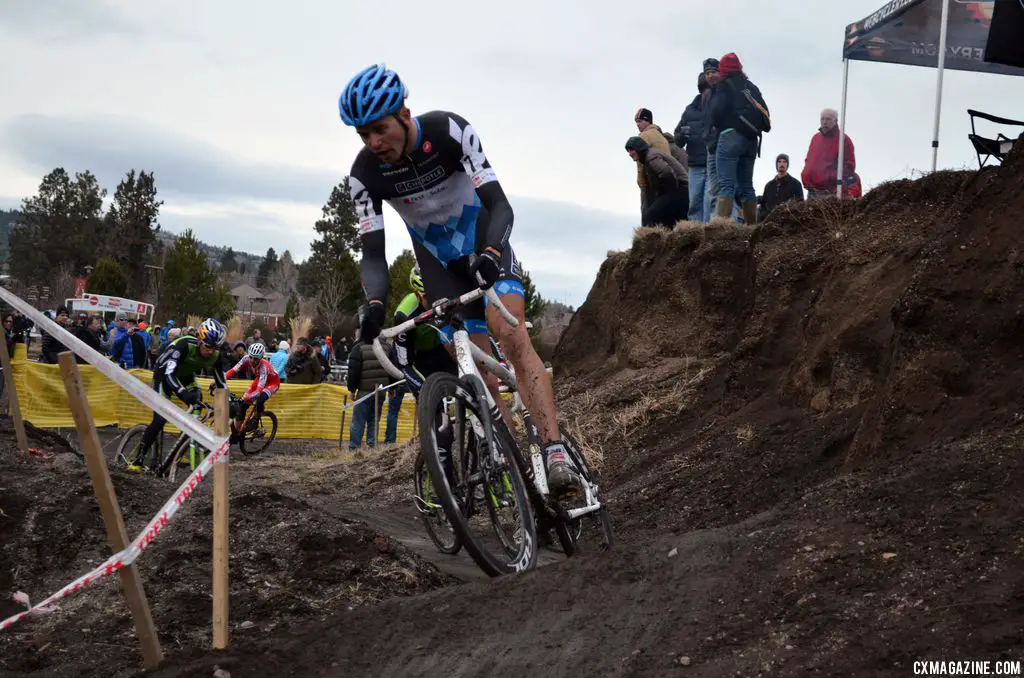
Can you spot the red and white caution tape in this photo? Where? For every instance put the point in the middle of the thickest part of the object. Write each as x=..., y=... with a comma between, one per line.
x=202, y=434
x=130, y=554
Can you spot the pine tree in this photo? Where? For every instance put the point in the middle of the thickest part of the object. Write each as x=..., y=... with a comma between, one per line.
x=190, y=286
x=131, y=227
x=108, y=278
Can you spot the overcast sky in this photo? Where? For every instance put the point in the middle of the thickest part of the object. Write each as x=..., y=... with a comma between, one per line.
x=234, y=104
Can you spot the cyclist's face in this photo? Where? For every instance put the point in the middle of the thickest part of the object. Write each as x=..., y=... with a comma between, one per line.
x=204, y=350
x=386, y=137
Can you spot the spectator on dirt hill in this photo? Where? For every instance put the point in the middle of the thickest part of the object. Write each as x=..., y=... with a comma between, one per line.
x=365, y=376
x=821, y=165
x=51, y=346
x=690, y=134
x=302, y=366
x=740, y=114
x=666, y=194
x=129, y=350
x=781, y=188
x=279, y=358
x=654, y=137
x=678, y=152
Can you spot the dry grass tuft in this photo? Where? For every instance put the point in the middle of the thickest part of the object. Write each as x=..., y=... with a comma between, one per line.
x=234, y=326
x=300, y=327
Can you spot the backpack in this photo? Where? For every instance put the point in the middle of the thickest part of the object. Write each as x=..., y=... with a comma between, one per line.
x=751, y=110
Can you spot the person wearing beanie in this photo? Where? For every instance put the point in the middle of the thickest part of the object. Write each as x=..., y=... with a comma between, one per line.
x=279, y=358
x=710, y=68
x=666, y=195
x=689, y=133
x=654, y=137
x=740, y=115
x=781, y=188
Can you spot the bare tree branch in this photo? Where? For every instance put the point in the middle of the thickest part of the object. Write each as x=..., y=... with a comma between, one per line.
x=329, y=299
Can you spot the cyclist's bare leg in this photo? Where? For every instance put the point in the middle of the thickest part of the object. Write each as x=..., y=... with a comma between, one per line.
x=534, y=380
x=493, y=385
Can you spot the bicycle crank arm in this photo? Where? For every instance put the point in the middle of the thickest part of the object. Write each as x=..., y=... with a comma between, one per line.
x=576, y=513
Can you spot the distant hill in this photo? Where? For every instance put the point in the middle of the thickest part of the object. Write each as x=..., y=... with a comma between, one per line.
x=214, y=253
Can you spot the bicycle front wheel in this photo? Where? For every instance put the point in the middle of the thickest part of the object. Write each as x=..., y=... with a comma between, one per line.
x=259, y=439
x=481, y=489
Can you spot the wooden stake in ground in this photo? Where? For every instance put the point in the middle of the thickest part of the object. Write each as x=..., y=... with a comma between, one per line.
x=222, y=425
x=131, y=583
x=12, y=398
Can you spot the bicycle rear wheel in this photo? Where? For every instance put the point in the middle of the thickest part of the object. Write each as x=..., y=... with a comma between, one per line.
x=435, y=521
x=254, y=442
x=128, y=450
x=480, y=486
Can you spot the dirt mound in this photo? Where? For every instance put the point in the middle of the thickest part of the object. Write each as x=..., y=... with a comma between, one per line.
x=289, y=563
x=835, y=333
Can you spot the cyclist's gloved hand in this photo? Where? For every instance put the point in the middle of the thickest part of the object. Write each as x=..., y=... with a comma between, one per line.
x=190, y=396
x=488, y=265
x=372, y=323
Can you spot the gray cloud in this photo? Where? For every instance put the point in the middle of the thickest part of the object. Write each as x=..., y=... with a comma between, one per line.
x=184, y=166
x=65, y=20
x=557, y=241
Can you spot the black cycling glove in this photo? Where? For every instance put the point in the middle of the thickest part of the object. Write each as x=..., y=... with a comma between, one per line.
x=488, y=265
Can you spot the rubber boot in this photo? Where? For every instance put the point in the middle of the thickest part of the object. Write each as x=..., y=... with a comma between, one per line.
x=724, y=208
x=749, y=212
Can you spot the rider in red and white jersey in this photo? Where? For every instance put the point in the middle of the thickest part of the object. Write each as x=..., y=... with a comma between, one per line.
x=264, y=384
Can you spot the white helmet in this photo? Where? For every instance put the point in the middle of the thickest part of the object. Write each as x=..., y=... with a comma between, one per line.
x=257, y=351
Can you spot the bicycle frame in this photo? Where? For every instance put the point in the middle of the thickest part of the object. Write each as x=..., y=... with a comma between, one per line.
x=468, y=356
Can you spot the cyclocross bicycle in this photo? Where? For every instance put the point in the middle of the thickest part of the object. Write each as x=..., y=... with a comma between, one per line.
x=480, y=474
x=253, y=436
x=183, y=452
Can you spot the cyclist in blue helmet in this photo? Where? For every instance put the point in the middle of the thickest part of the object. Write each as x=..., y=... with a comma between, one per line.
x=432, y=170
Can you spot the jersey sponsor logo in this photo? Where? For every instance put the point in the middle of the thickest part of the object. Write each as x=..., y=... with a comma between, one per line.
x=484, y=176
x=420, y=181
x=374, y=223
x=427, y=146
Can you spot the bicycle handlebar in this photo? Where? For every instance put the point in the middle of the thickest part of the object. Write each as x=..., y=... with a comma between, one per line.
x=440, y=307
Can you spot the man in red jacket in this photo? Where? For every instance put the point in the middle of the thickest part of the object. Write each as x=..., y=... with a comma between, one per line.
x=820, y=167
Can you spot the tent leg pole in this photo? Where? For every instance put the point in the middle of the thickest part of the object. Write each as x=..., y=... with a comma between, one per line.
x=842, y=130
x=938, y=86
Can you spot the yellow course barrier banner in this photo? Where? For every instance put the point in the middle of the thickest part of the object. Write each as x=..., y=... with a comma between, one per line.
x=303, y=411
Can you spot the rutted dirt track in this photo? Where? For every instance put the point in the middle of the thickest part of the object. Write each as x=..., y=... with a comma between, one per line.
x=811, y=436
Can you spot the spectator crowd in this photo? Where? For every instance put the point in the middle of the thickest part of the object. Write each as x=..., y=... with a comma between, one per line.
x=705, y=169
x=133, y=343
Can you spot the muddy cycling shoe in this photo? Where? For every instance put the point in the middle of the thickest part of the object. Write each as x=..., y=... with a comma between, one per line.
x=563, y=481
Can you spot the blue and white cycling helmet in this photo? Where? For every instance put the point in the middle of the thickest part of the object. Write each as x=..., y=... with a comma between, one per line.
x=373, y=93
x=211, y=332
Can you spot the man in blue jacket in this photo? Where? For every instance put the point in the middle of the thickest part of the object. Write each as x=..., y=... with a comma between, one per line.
x=690, y=133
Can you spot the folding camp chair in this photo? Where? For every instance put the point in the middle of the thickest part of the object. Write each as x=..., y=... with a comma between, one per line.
x=997, y=148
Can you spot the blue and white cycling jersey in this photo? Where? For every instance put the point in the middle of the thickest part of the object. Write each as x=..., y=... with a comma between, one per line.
x=433, y=190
